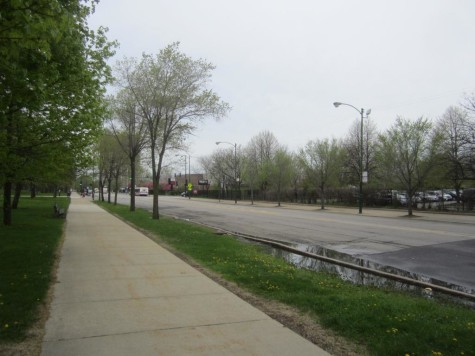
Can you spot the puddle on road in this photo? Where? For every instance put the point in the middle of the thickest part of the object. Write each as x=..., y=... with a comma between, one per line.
x=361, y=277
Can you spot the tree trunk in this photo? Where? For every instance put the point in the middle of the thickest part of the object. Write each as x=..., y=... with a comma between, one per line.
x=410, y=193
x=116, y=183
x=322, y=190
x=156, y=183
x=109, y=184
x=252, y=195
x=409, y=205
x=7, y=203
x=33, y=191
x=16, y=197
x=132, y=184
x=155, y=213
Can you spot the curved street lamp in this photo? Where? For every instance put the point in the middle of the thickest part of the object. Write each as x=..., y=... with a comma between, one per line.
x=235, y=165
x=362, y=112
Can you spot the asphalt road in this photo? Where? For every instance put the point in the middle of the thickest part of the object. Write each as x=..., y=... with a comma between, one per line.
x=437, y=246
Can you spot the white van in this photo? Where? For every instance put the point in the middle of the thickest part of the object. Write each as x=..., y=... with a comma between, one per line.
x=142, y=191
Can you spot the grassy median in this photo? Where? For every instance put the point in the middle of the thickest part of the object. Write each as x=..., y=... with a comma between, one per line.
x=27, y=255
x=386, y=322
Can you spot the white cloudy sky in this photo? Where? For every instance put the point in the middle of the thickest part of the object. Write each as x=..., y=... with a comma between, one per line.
x=282, y=63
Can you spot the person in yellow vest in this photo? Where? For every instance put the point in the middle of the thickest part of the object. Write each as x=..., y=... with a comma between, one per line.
x=190, y=189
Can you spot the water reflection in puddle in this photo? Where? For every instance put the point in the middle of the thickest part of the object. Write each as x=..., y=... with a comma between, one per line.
x=364, y=278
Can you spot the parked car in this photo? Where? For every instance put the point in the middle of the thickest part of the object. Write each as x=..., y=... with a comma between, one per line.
x=448, y=197
x=402, y=198
x=431, y=196
x=453, y=194
x=418, y=197
x=141, y=191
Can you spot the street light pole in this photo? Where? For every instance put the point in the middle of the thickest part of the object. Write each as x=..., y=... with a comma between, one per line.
x=183, y=156
x=362, y=112
x=185, y=174
x=235, y=166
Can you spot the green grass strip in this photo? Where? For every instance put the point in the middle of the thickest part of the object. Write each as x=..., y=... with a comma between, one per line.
x=27, y=255
x=387, y=322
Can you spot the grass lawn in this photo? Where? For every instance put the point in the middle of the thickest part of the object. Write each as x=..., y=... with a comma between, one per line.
x=27, y=255
x=386, y=322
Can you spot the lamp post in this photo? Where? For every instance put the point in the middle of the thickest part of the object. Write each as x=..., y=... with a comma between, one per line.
x=235, y=165
x=189, y=171
x=362, y=112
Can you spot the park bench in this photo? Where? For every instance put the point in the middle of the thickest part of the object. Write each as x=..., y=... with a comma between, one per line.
x=58, y=211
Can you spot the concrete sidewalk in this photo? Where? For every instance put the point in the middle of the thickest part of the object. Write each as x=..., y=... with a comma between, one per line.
x=119, y=293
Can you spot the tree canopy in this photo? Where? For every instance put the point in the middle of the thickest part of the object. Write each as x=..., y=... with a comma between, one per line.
x=171, y=94
x=53, y=75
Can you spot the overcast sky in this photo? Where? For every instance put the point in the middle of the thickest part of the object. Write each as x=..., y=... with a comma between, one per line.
x=281, y=64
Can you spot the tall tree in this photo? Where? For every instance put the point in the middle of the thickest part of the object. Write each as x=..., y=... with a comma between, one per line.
x=407, y=152
x=322, y=160
x=281, y=172
x=112, y=160
x=454, y=130
x=263, y=148
x=170, y=90
x=128, y=126
x=352, y=144
x=250, y=169
x=469, y=105
x=52, y=83
x=220, y=167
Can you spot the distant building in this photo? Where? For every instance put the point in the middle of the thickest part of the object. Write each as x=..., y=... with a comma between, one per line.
x=179, y=182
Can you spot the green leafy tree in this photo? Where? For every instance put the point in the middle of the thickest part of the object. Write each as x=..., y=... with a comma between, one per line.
x=281, y=172
x=250, y=169
x=456, y=134
x=129, y=127
x=469, y=163
x=220, y=166
x=352, y=145
x=112, y=163
x=262, y=149
x=52, y=83
x=171, y=93
x=408, y=152
x=323, y=162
